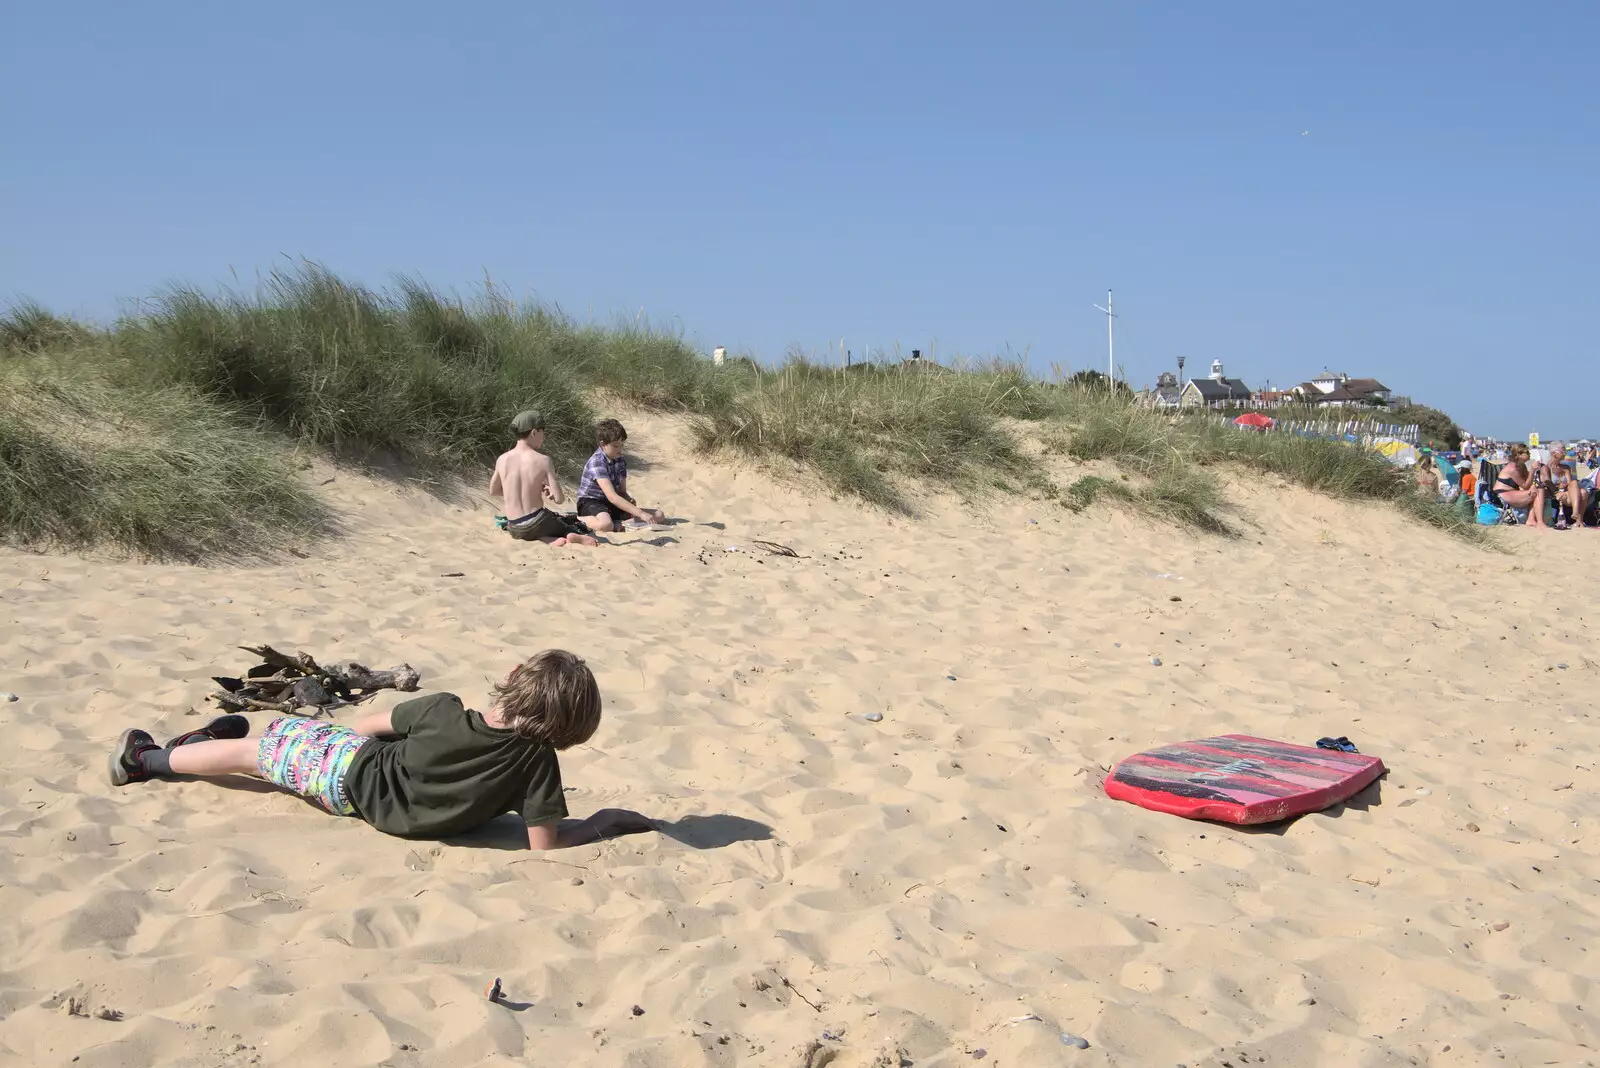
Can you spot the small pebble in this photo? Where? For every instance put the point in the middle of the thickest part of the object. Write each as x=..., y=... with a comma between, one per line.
x=1561, y=667
x=1117, y=645
x=873, y=717
x=1502, y=925
x=223, y=600
x=979, y=1054
x=952, y=678
x=1423, y=791
x=1155, y=661
x=1077, y=1041
x=1473, y=827
x=577, y=881
x=1174, y=598
x=637, y=1011
x=8, y=697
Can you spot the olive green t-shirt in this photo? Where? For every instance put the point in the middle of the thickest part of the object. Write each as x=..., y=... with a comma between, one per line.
x=447, y=771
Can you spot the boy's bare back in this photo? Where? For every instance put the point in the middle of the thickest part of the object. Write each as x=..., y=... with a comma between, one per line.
x=526, y=477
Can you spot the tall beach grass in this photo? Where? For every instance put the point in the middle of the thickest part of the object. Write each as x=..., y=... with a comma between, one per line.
x=877, y=432
x=164, y=472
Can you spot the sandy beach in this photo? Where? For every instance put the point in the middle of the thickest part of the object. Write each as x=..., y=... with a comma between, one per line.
x=945, y=886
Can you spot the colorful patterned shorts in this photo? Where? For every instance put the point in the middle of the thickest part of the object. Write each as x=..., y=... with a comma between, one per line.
x=311, y=758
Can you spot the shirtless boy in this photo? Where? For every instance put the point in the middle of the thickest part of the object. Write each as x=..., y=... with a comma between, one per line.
x=526, y=479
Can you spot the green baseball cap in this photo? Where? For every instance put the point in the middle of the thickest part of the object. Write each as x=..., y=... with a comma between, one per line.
x=532, y=419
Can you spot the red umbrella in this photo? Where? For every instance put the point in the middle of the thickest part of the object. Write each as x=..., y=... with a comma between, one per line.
x=1255, y=419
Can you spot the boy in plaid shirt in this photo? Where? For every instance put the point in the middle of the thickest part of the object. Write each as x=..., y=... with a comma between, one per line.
x=603, y=499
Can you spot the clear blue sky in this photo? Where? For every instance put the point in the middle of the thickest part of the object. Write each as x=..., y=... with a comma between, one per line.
x=956, y=177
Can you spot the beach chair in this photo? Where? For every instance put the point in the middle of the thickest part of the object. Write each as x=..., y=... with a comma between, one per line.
x=1485, y=494
x=1591, y=510
x=1449, y=479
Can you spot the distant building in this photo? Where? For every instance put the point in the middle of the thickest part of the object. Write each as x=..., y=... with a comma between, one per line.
x=1273, y=398
x=1217, y=391
x=1166, y=393
x=1339, y=390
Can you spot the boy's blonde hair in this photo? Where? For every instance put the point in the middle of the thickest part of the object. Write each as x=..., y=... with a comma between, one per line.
x=551, y=698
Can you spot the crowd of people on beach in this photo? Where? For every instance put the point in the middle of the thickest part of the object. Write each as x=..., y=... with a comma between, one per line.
x=526, y=479
x=1496, y=482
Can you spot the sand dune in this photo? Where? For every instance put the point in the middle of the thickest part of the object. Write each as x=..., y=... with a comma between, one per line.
x=947, y=880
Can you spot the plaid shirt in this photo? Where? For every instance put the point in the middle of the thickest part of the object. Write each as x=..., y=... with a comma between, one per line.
x=600, y=466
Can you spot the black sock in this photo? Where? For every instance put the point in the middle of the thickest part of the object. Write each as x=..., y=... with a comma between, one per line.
x=157, y=763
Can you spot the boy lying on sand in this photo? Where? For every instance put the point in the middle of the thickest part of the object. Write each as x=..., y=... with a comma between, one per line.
x=431, y=768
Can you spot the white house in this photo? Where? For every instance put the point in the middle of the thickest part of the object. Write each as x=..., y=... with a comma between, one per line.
x=1339, y=390
x=1217, y=391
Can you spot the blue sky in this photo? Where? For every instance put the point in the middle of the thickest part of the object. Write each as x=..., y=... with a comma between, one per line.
x=1397, y=190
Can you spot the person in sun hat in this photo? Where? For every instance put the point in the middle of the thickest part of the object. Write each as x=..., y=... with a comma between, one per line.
x=526, y=478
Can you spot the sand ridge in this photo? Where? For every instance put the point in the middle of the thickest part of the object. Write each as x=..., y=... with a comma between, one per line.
x=915, y=888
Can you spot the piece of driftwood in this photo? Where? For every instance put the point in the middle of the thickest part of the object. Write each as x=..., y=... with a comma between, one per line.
x=284, y=683
x=354, y=676
x=774, y=548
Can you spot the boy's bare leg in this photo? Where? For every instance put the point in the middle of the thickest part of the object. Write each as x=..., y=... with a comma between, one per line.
x=600, y=524
x=232, y=757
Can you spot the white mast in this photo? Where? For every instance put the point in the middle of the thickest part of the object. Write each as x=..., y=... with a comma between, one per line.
x=1111, y=362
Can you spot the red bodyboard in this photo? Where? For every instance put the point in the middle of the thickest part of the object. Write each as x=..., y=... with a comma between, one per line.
x=1235, y=778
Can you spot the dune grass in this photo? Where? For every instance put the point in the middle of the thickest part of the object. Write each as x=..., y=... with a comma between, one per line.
x=26, y=327
x=875, y=431
x=431, y=379
x=405, y=373
x=163, y=472
x=1180, y=451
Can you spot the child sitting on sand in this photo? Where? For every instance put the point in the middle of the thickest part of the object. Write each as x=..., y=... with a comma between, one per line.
x=430, y=768
x=603, y=500
x=526, y=478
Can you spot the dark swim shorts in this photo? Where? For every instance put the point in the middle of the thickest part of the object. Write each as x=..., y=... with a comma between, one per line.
x=594, y=506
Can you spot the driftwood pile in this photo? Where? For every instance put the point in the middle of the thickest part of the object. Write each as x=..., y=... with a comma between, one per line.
x=284, y=683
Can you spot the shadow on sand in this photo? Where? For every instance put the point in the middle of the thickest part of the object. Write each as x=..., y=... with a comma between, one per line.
x=716, y=831
x=1369, y=797
x=697, y=832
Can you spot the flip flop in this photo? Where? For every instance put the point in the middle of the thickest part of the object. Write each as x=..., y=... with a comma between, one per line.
x=222, y=728
x=1341, y=743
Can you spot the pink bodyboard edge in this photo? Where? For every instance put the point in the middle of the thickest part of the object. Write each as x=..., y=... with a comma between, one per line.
x=1243, y=814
